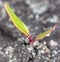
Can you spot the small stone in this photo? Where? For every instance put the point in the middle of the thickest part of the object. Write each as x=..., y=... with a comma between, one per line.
x=39, y=47
x=19, y=39
x=39, y=57
x=54, y=19
x=59, y=51
x=36, y=43
x=1, y=53
x=10, y=56
x=33, y=53
x=28, y=1
x=0, y=48
x=27, y=40
x=42, y=51
x=36, y=28
x=30, y=49
x=37, y=16
x=55, y=52
x=31, y=16
x=28, y=27
x=9, y=50
x=10, y=60
x=46, y=49
x=53, y=43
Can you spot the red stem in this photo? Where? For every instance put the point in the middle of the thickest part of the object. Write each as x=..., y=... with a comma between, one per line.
x=30, y=40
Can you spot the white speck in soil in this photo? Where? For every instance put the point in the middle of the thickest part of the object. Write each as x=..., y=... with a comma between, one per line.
x=31, y=16
x=37, y=16
x=1, y=53
x=36, y=28
x=0, y=48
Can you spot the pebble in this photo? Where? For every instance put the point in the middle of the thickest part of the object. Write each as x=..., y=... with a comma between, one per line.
x=36, y=28
x=26, y=40
x=10, y=61
x=1, y=53
x=34, y=54
x=9, y=50
x=53, y=43
x=28, y=1
x=39, y=57
x=53, y=19
x=29, y=48
x=39, y=47
x=0, y=48
x=55, y=52
x=36, y=43
x=31, y=16
x=37, y=16
x=42, y=51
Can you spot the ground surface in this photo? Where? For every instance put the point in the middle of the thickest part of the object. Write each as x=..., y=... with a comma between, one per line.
x=12, y=46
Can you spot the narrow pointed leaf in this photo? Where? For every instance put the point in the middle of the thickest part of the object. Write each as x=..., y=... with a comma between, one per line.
x=16, y=21
x=46, y=33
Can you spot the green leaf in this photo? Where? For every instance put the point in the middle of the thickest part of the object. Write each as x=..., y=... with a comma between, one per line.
x=16, y=21
x=44, y=34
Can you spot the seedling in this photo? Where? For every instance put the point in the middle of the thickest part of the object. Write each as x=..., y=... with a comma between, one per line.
x=23, y=28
